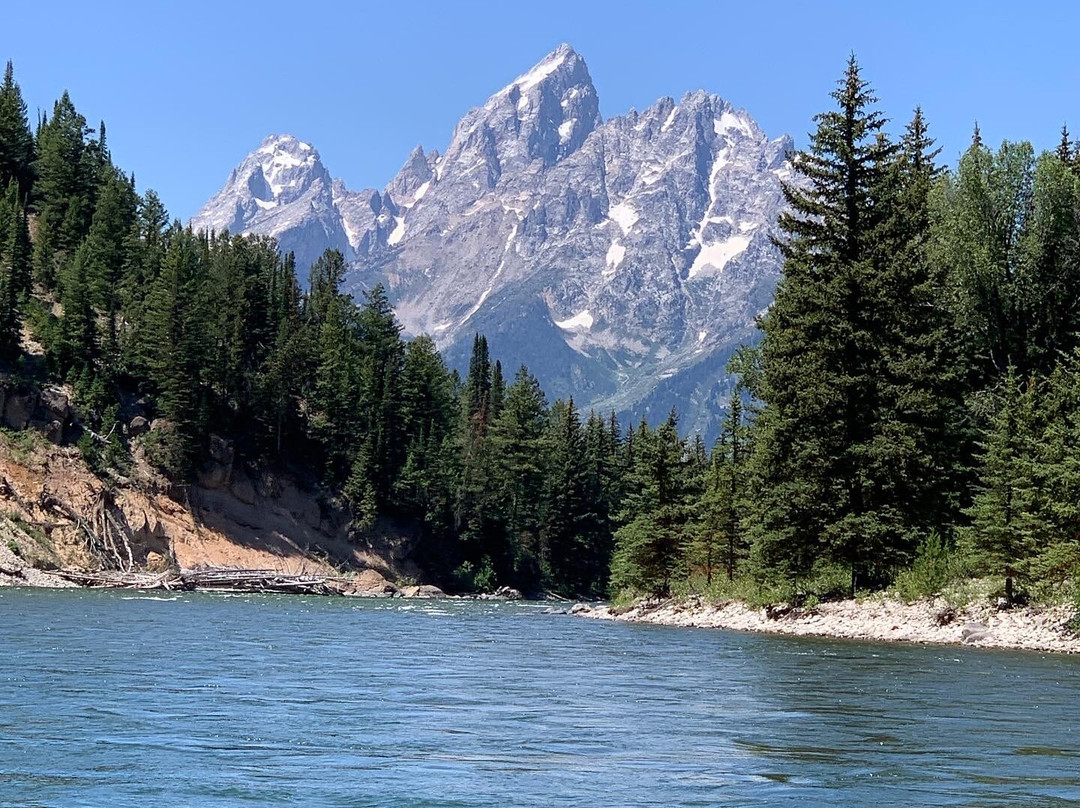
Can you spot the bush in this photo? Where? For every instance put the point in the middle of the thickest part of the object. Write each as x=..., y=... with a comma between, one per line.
x=1074, y=623
x=469, y=578
x=934, y=567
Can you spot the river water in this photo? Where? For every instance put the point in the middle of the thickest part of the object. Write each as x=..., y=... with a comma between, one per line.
x=126, y=699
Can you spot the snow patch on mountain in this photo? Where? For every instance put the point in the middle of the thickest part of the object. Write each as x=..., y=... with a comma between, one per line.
x=654, y=229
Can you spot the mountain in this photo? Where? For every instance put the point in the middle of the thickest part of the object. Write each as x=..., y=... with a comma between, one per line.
x=621, y=260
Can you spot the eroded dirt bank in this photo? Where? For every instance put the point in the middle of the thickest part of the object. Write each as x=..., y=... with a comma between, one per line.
x=55, y=514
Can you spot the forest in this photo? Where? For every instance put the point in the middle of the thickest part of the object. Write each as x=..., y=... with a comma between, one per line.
x=909, y=416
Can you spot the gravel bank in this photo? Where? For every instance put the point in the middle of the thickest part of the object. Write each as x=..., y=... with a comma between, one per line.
x=1033, y=628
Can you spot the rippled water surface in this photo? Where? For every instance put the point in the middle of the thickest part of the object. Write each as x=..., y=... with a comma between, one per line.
x=121, y=699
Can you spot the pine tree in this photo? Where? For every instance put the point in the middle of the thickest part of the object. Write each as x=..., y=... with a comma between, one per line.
x=335, y=399
x=15, y=254
x=719, y=541
x=428, y=415
x=498, y=391
x=1065, y=147
x=819, y=353
x=380, y=378
x=16, y=140
x=565, y=511
x=107, y=257
x=78, y=349
x=66, y=177
x=171, y=342
x=520, y=451
x=478, y=513
x=1006, y=527
x=650, y=545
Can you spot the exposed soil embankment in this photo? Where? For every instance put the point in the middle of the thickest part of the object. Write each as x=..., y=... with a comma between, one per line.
x=1034, y=628
x=55, y=514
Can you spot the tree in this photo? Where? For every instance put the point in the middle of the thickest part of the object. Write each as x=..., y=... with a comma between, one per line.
x=424, y=486
x=77, y=351
x=650, y=543
x=379, y=380
x=1005, y=522
x=171, y=342
x=719, y=540
x=565, y=513
x=15, y=252
x=820, y=351
x=16, y=140
x=107, y=245
x=67, y=174
x=518, y=440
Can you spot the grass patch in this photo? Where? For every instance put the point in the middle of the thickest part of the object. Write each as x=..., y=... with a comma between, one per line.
x=31, y=530
x=22, y=443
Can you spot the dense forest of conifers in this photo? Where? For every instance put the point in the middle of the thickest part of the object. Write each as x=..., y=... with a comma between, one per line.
x=911, y=412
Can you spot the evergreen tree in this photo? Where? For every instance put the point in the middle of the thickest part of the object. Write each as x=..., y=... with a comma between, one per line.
x=16, y=141
x=428, y=414
x=66, y=177
x=15, y=251
x=379, y=379
x=821, y=354
x=1005, y=524
x=107, y=245
x=78, y=348
x=518, y=442
x=720, y=542
x=498, y=391
x=171, y=342
x=566, y=514
x=650, y=545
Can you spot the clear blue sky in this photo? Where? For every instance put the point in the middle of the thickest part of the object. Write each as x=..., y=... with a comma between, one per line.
x=187, y=90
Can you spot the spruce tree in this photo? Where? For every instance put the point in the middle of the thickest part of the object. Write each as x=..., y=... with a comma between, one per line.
x=565, y=511
x=820, y=352
x=1006, y=525
x=16, y=140
x=379, y=379
x=650, y=544
x=521, y=457
x=66, y=177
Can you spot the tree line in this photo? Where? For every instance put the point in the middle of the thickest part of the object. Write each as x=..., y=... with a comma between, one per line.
x=913, y=399
x=913, y=394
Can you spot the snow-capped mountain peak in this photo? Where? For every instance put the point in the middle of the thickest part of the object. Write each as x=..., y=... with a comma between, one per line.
x=621, y=260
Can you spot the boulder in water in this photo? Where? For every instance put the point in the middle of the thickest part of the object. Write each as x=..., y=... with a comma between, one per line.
x=422, y=591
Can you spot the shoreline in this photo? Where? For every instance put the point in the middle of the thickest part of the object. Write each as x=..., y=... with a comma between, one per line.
x=880, y=619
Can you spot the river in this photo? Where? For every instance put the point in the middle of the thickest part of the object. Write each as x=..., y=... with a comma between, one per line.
x=127, y=699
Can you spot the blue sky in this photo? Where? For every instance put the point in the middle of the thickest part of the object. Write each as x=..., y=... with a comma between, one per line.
x=187, y=90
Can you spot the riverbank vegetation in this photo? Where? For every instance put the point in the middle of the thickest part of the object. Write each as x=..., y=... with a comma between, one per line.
x=909, y=418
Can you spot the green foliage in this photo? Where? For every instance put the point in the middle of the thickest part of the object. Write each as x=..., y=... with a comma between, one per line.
x=934, y=567
x=1074, y=623
x=650, y=546
x=912, y=412
x=21, y=443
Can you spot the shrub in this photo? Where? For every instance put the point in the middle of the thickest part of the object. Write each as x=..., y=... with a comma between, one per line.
x=934, y=567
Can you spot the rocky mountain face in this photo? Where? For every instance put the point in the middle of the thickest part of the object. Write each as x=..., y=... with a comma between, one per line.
x=621, y=260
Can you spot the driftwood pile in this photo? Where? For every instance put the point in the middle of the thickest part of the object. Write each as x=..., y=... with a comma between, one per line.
x=220, y=579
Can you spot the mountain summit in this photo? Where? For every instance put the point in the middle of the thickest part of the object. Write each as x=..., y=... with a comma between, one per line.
x=621, y=260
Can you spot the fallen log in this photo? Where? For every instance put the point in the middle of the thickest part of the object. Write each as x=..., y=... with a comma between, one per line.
x=211, y=580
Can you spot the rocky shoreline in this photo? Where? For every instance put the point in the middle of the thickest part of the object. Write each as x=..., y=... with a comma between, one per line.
x=934, y=622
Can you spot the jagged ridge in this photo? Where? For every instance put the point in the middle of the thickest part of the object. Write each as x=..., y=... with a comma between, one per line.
x=621, y=260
